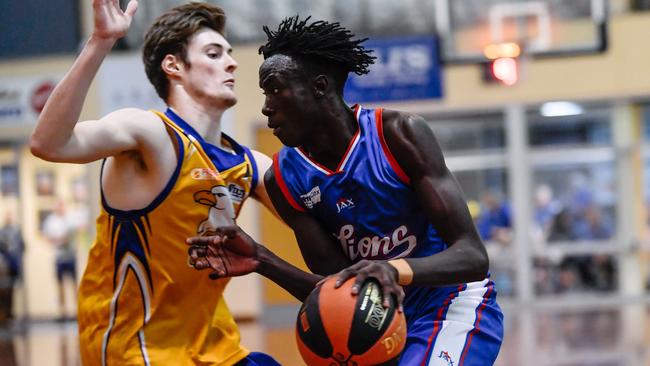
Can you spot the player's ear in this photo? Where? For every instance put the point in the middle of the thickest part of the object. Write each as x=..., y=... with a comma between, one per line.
x=171, y=65
x=320, y=85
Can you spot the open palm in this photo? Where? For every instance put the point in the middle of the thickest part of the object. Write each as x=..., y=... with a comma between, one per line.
x=110, y=20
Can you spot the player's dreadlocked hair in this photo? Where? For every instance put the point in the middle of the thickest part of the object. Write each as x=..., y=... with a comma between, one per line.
x=324, y=47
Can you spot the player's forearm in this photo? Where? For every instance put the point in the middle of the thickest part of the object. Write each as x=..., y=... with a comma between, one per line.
x=460, y=263
x=56, y=123
x=294, y=280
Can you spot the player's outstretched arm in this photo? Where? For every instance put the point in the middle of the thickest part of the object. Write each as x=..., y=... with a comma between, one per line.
x=231, y=252
x=55, y=137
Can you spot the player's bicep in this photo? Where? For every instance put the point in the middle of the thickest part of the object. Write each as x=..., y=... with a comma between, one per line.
x=416, y=149
x=314, y=241
x=118, y=132
x=446, y=207
x=94, y=140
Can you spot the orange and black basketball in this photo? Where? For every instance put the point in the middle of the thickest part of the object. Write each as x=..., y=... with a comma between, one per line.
x=336, y=328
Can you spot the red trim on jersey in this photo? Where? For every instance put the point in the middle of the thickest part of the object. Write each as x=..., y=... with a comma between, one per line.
x=305, y=154
x=476, y=325
x=348, y=151
x=391, y=159
x=283, y=185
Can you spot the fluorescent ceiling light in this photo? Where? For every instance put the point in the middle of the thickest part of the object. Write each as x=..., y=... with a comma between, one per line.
x=560, y=109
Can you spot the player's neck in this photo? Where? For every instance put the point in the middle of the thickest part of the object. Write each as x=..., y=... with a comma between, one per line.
x=332, y=140
x=204, y=119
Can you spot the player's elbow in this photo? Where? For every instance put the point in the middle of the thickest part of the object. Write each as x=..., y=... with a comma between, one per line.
x=36, y=147
x=41, y=149
x=480, y=264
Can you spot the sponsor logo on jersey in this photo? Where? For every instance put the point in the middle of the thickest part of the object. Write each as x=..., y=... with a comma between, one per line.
x=375, y=246
x=444, y=355
x=344, y=203
x=237, y=193
x=311, y=198
x=204, y=174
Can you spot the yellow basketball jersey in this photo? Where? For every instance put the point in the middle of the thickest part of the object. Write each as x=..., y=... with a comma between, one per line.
x=140, y=303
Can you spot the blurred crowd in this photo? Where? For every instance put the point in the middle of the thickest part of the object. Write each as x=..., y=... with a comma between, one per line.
x=572, y=217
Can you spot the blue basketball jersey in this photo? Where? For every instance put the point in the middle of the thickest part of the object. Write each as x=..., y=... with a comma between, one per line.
x=366, y=202
x=368, y=205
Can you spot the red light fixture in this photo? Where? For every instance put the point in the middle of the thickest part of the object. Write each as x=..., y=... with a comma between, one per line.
x=506, y=70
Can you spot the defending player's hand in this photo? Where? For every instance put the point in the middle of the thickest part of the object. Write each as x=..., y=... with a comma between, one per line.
x=381, y=271
x=111, y=22
x=229, y=253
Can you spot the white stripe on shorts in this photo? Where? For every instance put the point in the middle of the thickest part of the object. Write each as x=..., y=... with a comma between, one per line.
x=459, y=321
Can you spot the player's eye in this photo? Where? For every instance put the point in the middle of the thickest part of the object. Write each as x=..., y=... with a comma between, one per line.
x=272, y=91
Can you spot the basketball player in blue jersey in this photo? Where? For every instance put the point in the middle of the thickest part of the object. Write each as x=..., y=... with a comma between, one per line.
x=367, y=193
x=165, y=176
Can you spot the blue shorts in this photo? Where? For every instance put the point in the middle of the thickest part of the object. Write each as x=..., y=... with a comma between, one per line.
x=453, y=326
x=258, y=359
x=66, y=267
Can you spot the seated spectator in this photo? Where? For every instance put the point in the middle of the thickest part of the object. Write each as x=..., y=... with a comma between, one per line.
x=495, y=220
x=561, y=228
x=592, y=224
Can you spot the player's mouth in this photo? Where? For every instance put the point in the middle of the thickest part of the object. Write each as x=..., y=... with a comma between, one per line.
x=230, y=83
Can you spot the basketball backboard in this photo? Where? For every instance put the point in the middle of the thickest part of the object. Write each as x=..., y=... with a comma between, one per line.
x=539, y=27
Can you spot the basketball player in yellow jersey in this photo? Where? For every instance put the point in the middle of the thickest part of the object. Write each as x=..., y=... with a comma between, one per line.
x=166, y=176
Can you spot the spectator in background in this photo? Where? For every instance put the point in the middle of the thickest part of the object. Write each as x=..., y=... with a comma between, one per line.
x=495, y=218
x=580, y=193
x=12, y=248
x=592, y=224
x=601, y=273
x=546, y=208
x=561, y=227
x=569, y=278
x=545, y=281
x=58, y=230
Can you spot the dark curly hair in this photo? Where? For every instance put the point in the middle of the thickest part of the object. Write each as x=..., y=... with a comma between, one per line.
x=322, y=46
x=169, y=34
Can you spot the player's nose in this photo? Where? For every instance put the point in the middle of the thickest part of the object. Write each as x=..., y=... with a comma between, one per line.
x=231, y=64
x=266, y=109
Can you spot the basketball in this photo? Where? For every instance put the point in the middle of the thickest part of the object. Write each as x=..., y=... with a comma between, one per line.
x=336, y=328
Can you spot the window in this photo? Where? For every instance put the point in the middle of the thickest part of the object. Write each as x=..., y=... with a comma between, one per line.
x=56, y=32
x=574, y=201
x=467, y=134
x=573, y=198
x=589, y=126
x=474, y=149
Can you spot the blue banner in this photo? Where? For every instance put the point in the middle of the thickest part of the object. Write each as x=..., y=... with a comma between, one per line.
x=405, y=69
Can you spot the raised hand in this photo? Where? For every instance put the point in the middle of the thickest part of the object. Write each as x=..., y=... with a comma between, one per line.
x=380, y=270
x=229, y=253
x=110, y=21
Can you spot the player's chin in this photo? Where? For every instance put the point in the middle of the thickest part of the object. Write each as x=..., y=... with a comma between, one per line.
x=286, y=138
x=229, y=99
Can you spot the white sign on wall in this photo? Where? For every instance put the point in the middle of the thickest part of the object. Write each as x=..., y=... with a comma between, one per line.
x=123, y=84
x=22, y=99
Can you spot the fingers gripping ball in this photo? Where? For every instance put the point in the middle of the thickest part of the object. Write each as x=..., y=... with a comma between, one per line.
x=336, y=328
